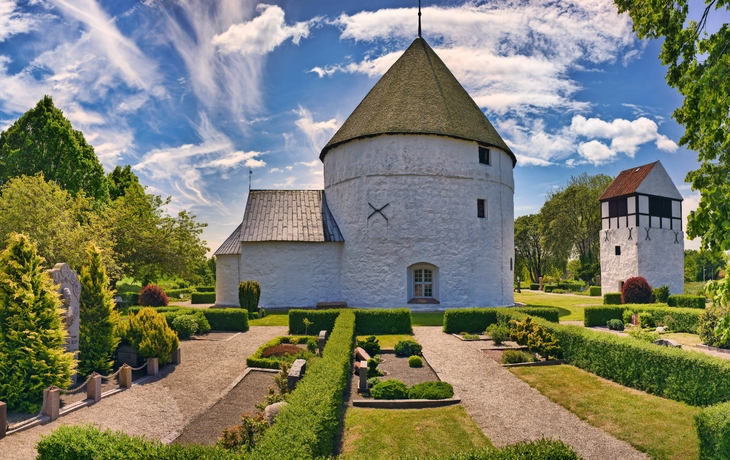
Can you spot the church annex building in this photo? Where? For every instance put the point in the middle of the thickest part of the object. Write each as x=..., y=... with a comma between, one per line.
x=417, y=208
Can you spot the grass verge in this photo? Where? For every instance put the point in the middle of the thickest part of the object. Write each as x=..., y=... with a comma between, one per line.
x=660, y=427
x=389, y=341
x=570, y=306
x=427, y=318
x=271, y=319
x=684, y=338
x=422, y=433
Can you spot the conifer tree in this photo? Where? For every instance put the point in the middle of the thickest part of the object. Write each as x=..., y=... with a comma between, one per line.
x=32, y=349
x=97, y=317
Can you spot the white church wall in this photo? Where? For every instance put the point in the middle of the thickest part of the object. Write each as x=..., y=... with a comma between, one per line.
x=293, y=274
x=226, y=280
x=658, y=183
x=430, y=185
x=658, y=259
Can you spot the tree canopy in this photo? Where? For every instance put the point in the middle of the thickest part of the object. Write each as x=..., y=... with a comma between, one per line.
x=43, y=141
x=703, y=265
x=530, y=248
x=698, y=66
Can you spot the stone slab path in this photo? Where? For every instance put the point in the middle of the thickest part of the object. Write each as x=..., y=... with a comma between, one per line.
x=507, y=409
x=166, y=404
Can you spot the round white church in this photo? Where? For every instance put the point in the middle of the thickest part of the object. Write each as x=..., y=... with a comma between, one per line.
x=417, y=208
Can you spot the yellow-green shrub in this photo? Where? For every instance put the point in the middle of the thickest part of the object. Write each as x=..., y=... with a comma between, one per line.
x=148, y=333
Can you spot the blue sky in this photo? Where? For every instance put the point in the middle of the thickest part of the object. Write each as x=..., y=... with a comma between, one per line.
x=194, y=94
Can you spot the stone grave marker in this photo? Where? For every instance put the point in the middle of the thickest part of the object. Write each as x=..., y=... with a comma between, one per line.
x=70, y=292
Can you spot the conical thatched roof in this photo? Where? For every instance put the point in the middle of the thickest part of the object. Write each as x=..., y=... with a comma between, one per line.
x=418, y=95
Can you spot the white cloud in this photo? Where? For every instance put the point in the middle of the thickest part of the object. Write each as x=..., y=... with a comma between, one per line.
x=13, y=22
x=625, y=135
x=183, y=167
x=317, y=132
x=275, y=170
x=262, y=34
x=596, y=152
x=310, y=164
x=289, y=168
x=511, y=57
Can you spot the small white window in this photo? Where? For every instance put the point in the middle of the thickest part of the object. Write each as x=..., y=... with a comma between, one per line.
x=422, y=282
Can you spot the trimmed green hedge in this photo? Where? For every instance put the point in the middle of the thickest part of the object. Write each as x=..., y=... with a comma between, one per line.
x=382, y=321
x=471, y=320
x=534, y=287
x=322, y=320
x=257, y=360
x=175, y=293
x=130, y=298
x=307, y=427
x=549, y=287
x=612, y=298
x=673, y=373
x=204, y=289
x=685, y=319
x=202, y=297
x=368, y=322
x=686, y=301
x=544, y=449
x=594, y=291
x=82, y=442
x=571, y=285
x=544, y=312
x=713, y=429
x=220, y=319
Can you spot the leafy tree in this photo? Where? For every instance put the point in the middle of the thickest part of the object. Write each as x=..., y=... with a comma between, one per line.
x=698, y=65
x=60, y=224
x=120, y=180
x=703, y=265
x=571, y=219
x=530, y=250
x=43, y=141
x=32, y=349
x=98, y=318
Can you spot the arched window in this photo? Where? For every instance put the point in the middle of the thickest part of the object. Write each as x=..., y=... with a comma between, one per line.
x=423, y=286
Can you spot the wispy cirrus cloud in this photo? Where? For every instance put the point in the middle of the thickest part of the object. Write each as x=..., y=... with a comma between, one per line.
x=316, y=132
x=12, y=21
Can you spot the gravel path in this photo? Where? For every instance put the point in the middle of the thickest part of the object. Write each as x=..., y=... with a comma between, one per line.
x=505, y=407
x=166, y=404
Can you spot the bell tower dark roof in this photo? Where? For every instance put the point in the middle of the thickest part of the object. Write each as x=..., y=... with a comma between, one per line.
x=418, y=95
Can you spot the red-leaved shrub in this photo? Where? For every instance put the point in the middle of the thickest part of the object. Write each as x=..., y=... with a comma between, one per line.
x=636, y=290
x=152, y=296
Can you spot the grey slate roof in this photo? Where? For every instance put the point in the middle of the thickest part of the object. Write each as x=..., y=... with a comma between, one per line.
x=288, y=215
x=232, y=244
x=418, y=95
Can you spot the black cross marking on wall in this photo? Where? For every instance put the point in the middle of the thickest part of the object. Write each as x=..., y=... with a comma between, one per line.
x=607, y=234
x=378, y=211
x=647, y=234
x=676, y=237
x=630, y=237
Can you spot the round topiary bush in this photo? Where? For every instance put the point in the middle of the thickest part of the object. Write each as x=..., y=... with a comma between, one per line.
x=148, y=333
x=407, y=348
x=152, y=296
x=636, y=290
x=415, y=361
x=185, y=326
x=431, y=390
x=390, y=389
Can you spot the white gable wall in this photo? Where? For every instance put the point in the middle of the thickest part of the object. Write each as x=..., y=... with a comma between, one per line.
x=658, y=183
x=226, y=280
x=431, y=185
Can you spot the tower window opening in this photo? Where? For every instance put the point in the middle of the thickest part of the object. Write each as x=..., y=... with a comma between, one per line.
x=481, y=208
x=618, y=250
x=483, y=155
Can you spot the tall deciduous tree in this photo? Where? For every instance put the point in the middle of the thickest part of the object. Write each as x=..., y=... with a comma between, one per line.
x=120, y=180
x=699, y=68
x=571, y=219
x=98, y=318
x=530, y=250
x=32, y=335
x=43, y=141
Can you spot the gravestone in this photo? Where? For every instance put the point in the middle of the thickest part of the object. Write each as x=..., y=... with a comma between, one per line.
x=598, y=280
x=70, y=292
x=296, y=372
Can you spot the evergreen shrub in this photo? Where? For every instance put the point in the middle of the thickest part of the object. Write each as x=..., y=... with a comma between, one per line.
x=636, y=290
x=98, y=318
x=594, y=291
x=129, y=298
x=152, y=296
x=709, y=321
x=661, y=294
x=32, y=336
x=549, y=287
x=537, y=339
x=516, y=356
x=431, y=390
x=249, y=294
x=202, y=297
x=407, y=348
x=713, y=429
x=686, y=301
x=185, y=326
x=615, y=324
x=390, y=389
x=148, y=333
x=548, y=313
x=415, y=361
x=685, y=319
x=612, y=298
x=498, y=332
x=371, y=345
x=534, y=287
x=646, y=320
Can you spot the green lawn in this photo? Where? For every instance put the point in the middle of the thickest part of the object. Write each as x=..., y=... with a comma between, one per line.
x=684, y=338
x=662, y=428
x=389, y=341
x=694, y=288
x=427, y=319
x=271, y=319
x=389, y=433
x=570, y=306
